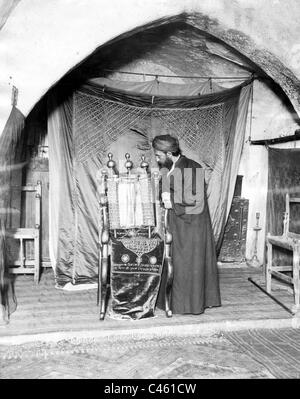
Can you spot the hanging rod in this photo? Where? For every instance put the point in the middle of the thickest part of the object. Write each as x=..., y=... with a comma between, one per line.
x=179, y=76
x=276, y=140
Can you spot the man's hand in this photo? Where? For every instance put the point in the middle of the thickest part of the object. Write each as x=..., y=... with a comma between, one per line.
x=166, y=199
x=168, y=205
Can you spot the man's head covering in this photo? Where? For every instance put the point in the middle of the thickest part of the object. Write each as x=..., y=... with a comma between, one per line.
x=165, y=143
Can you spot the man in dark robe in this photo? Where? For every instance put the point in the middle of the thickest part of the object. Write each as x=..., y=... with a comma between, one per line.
x=196, y=283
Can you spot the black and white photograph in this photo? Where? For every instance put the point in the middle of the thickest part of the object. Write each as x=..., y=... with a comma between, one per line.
x=150, y=192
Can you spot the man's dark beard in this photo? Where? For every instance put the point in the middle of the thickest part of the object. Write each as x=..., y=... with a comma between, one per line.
x=168, y=163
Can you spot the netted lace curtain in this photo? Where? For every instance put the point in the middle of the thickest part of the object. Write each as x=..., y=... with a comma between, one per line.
x=107, y=116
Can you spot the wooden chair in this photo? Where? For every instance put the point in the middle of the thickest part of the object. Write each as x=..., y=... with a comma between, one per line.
x=22, y=234
x=291, y=242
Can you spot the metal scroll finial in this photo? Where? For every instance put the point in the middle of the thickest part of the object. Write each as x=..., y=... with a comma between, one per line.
x=144, y=164
x=128, y=163
x=111, y=163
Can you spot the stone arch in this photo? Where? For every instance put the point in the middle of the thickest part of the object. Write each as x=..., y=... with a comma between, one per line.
x=208, y=17
x=264, y=59
x=242, y=43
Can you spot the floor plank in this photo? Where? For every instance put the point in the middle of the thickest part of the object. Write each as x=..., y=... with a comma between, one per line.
x=43, y=308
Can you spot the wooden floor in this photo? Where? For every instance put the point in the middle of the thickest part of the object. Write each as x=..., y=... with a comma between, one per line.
x=45, y=310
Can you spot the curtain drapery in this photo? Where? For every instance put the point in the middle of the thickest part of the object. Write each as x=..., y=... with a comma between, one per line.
x=105, y=116
x=11, y=162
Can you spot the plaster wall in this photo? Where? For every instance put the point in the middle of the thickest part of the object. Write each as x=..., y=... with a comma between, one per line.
x=271, y=118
